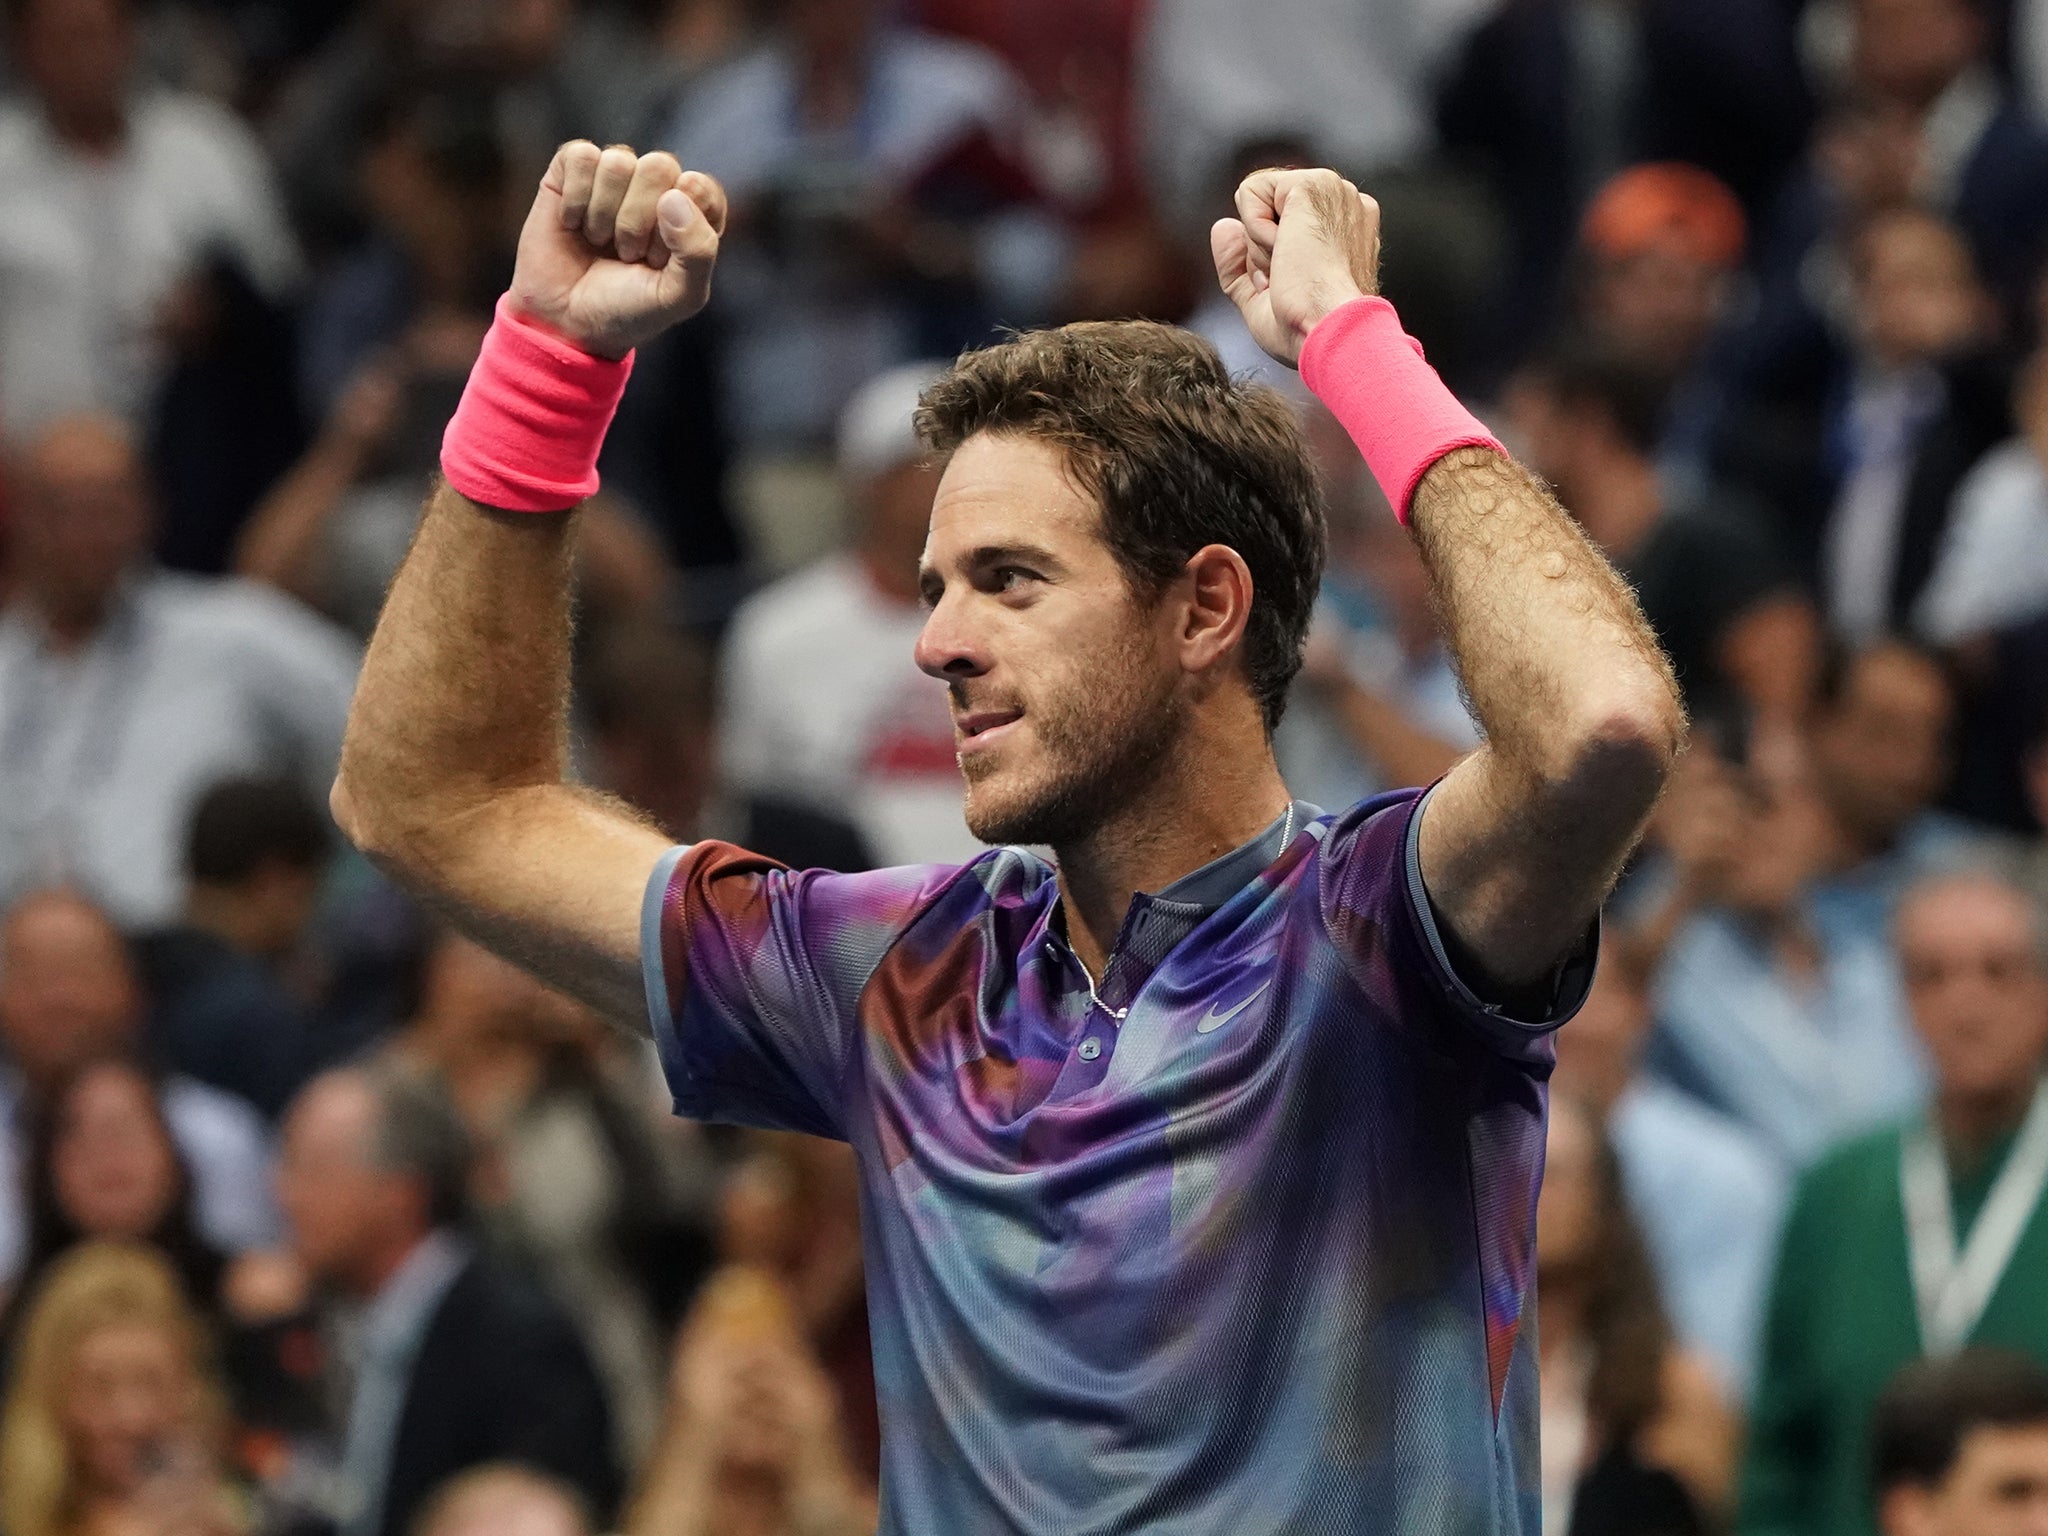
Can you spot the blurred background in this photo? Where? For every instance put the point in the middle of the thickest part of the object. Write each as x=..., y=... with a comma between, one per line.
x=315, y=1218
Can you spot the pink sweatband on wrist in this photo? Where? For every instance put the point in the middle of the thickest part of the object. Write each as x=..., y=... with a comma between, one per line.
x=526, y=436
x=1372, y=376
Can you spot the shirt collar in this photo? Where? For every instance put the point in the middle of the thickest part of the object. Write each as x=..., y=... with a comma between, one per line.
x=400, y=1312
x=1207, y=888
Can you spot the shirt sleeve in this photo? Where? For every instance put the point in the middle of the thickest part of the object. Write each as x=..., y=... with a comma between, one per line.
x=1380, y=916
x=754, y=974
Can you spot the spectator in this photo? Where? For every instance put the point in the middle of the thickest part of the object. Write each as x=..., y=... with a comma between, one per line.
x=648, y=694
x=113, y=195
x=1858, y=1294
x=1636, y=1440
x=433, y=178
x=1658, y=265
x=1975, y=151
x=825, y=702
x=1991, y=569
x=1856, y=426
x=1880, y=746
x=114, y=1421
x=1961, y=1448
x=1792, y=1028
x=103, y=1167
x=1550, y=98
x=68, y=996
x=125, y=691
x=880, y=209
x=752, y=1446
x=1212, y=75
x=1706, y=1195
x=571, y=1179
x=225, y=1010
x=504, y=1501
x=1740, y=632
x=448, y=1364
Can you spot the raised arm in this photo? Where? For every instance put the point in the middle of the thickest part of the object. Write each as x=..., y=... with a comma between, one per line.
x=1523, y=839
x=454, y=771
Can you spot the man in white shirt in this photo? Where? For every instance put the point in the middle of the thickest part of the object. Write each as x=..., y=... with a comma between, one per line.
x=68, y=994
x=126, y=692
x=110, y=196
x=823, y=700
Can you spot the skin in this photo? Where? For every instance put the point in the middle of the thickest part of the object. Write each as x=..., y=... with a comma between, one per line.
x=128, y=1391
x=1969, y=954
x=67, y=988
x=80, y=520
x=115, y=1170
x=1880, y=750
x=453, y=771
x=78, y=56
x=507, y=1503
x=1997, y=1487
x=352, y=1222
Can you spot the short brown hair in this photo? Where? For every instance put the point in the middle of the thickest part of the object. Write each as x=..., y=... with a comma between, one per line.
x=1177, y=454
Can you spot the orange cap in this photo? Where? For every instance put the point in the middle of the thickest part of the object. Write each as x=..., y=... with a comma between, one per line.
x=1668, y=206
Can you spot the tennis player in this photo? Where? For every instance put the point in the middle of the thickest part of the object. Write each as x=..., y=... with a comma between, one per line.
x=1198, y=1166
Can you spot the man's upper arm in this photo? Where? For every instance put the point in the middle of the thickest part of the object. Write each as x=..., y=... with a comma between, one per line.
x=1516, y=878
x=1377, y=903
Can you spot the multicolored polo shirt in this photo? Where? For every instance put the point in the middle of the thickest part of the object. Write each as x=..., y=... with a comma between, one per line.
x=1238, y=1242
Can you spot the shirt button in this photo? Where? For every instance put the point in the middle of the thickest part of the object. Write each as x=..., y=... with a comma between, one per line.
x=1090, y=1048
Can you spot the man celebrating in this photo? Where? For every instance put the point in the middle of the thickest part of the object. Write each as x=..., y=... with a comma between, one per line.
x=1198, y=1170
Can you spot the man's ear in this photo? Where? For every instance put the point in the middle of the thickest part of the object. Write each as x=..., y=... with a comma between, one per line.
x=1219, y=605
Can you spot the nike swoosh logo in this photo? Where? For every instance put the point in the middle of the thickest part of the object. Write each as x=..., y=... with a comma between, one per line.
x=1213, y=1021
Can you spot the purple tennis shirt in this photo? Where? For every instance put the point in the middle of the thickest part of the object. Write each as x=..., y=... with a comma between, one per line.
x=1240, y=1242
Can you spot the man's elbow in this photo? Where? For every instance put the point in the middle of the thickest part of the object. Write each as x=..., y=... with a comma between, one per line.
x=386, y=827
x=1621, y=746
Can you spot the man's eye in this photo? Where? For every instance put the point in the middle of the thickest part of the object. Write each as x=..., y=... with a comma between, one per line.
x=1010, y=577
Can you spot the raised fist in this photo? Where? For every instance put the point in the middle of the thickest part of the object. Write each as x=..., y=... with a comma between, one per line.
x=618, y=246
x=1303, y=243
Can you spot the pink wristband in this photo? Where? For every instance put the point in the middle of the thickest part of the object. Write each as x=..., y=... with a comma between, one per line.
x=1372, y=376
x=526, y=436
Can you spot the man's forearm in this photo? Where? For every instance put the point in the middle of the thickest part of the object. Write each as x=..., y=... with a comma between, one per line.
x=1578, y=704
x=1548, y=638
x=464, y=688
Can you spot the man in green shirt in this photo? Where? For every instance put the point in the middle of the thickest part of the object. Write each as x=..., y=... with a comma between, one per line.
x=1921, y=1238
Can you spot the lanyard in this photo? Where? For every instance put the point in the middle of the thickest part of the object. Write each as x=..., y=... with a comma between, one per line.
x=1951, y=1289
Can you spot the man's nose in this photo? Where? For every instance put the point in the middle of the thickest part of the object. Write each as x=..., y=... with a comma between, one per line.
x=947, y=646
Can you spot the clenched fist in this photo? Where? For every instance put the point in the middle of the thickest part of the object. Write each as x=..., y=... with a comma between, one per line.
x=1303, y=243
x=618, y=246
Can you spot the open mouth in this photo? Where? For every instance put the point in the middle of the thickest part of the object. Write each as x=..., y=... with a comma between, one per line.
x=984, y=726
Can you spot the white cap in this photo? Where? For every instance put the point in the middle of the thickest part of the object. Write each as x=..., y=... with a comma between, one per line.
x=878, y=428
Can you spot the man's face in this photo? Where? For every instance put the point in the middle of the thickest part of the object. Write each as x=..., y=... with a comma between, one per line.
x=1998, y=1487
x=339, y=1204
x=81, y=518
x=1917, y=295
x=1067, y=688
x=1912, y=49
x=1882, y=749
x=77, y=55
x=1967, y=951
x=1657, y=306
x=67, y=987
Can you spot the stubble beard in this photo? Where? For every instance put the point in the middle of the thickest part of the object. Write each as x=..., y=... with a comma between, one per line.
x=1102, y=745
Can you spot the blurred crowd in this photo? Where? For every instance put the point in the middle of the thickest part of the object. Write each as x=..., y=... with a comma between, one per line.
x=316, y=1218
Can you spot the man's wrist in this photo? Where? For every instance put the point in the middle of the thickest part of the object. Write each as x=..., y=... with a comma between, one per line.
x=533, y=417
x=1372, y=375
